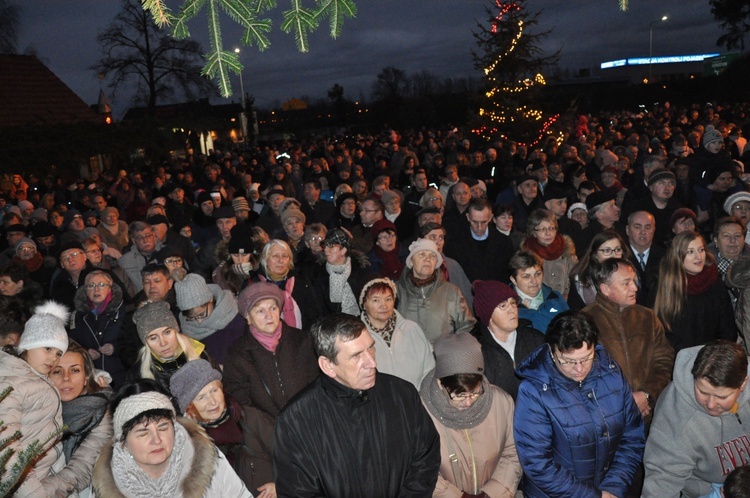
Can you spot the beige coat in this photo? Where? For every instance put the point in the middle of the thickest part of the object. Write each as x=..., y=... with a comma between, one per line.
x=557, y=271
x=487, y=459
x=35, y=409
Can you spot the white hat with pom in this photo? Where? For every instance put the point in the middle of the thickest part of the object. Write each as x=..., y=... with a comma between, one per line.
x=46, y=328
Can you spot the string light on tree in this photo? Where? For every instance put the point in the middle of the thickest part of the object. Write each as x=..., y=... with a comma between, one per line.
x=513, y=75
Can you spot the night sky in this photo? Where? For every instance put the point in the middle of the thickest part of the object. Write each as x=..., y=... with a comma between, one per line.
x=413, y=35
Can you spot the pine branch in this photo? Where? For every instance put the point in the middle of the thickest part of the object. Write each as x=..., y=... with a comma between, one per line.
x=218, y=61
x=188, y=11
x=256, y=29
x=159, y=10
x=336, y=10
x=300, y=20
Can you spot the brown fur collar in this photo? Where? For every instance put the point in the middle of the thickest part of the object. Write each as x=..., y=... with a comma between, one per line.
x=196, y=481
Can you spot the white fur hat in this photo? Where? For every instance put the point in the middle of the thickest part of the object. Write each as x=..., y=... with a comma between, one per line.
x=46, y=328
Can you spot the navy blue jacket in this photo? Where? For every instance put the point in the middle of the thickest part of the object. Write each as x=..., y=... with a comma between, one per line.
x=576, y=439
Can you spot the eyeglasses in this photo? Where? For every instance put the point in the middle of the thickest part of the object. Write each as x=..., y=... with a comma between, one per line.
x=198, y=316
x=573, y=363
x=27, y=248
x=70, y=256
x=363, y=210
x=386, y=236
x=101, y=285
x=508, y=304
x=607, y=251
x=173, y=261
x=316, y=239
x=93, y=251
x=142, y=238
x=465, y=396
x=741, y=208
x=546, y=229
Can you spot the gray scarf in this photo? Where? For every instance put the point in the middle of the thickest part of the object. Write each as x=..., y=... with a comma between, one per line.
x=340, y=290
x=225, y=309
x=435, y=399
x=133, y=481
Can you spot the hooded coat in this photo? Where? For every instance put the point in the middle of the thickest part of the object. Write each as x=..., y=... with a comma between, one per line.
x=576, y=438
x=221, y=328
x=439, y=307
x=687, y=448
x=206, y=473
x=34, y=408
x=94, y=331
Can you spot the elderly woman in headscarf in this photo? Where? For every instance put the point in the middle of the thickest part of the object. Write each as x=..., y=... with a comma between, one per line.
x=272, y=361
x=238, y=431
x=401, y=348
x=427, y=298
x=388, y=255
x=475, y=422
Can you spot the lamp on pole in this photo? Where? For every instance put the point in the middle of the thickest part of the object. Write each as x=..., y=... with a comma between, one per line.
x=650, y=43
x=243, y=115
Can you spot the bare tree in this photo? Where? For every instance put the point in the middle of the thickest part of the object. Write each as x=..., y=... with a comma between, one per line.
x=392, y=84
x=9, y=27
x=734, y=17
x=136, y=50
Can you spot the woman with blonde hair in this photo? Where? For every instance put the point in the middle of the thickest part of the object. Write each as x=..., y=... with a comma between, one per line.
x=557, y=251
x=165, y=349
x=691, y=299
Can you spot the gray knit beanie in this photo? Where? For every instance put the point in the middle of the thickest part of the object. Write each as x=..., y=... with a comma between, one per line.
x=192, y=292
x=458, y=354
x=423, y=245
x=153, y=316
x=45, y=328
x=188, y=381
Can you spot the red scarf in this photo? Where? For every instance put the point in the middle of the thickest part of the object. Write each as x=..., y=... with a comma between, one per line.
x=392, y=265
x=267, y=341
x=32, y=264
x=98, y=310
x=550, y=252
x=698, y=284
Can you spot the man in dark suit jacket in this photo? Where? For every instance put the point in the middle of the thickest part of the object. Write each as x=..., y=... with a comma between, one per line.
x=645, y=255
x=481, y=250
x=315, y=209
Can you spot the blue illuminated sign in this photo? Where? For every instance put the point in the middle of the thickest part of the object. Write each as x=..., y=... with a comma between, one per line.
x=642, y=61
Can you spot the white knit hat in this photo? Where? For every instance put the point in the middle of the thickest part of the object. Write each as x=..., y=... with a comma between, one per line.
x=192, y=292
x=132, y=406
x=46, y=328
x=423, y=245
x=577, y=205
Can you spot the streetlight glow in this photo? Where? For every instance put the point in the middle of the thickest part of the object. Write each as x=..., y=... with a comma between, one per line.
x=651, y=43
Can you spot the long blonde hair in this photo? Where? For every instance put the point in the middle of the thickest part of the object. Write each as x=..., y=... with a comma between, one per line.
x=146, y=358
x=672, y=289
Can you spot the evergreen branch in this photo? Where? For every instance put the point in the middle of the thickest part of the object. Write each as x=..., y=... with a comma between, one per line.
x=300, y=20
x=159, y=10
x=188, y=11
x=263, y=5
x=336, y=10
x=256, y=29
x=216, y=61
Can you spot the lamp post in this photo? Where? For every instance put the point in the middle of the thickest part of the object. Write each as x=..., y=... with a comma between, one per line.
x=650, y=43
x=243, y=115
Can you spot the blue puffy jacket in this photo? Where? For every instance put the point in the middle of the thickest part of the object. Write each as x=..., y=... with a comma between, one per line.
x=553, y=305
x=576, y=439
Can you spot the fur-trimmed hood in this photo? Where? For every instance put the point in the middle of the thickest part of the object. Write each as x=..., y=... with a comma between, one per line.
x=81, y=300
x=195, y=480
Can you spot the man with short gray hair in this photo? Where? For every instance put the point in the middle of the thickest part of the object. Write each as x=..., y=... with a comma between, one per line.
x=354, y=431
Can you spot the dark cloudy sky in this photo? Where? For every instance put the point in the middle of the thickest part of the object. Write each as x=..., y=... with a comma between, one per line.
x=412, y=35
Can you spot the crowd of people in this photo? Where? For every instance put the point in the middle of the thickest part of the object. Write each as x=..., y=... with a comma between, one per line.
x=414, y=313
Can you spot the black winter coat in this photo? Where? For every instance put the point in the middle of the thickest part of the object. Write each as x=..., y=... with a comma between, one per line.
x=382, y=441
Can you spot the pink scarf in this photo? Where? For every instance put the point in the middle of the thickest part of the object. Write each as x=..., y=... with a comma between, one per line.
x=290, y=312
x=267, y=341
x=98, y=310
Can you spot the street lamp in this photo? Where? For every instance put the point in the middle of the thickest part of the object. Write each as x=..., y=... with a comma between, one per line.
x=650, y=43
x=243, y=115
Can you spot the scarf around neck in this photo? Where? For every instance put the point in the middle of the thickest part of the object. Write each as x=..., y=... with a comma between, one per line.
x=435, y=399
x=290, y=311
x=32, y=264
x=392, y=264
x=698, y=284
x=131, y=478
x=340, y=290
x=550, y=252
x=270, y=342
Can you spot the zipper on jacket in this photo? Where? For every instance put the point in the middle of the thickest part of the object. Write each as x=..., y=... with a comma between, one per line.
x=474, y=483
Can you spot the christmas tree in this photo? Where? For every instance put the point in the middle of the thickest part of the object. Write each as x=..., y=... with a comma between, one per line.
x=512, y=62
